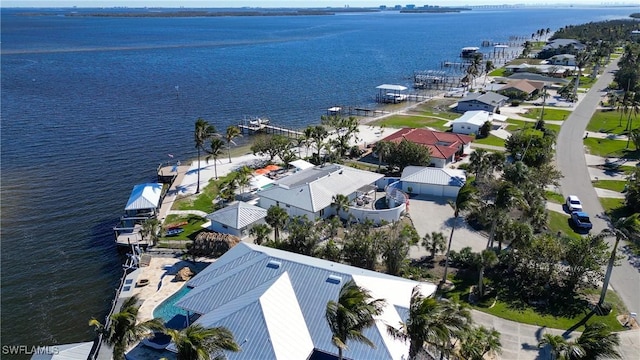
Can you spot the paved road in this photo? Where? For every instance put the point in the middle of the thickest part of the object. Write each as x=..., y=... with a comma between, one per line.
x=570, y=159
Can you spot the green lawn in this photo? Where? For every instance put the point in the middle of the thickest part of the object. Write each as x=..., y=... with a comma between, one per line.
x=191, y=229
x=498, y=72
x=490, y=140
x=611, y=148
x=516, y=125
x=529, y=314
x=549, y=114
x=613, y=185
x=608, y=122
x=554, y=197
x=615, y=208
x=402, y=121
x=560, y=223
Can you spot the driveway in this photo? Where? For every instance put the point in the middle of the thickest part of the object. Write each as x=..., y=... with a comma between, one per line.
x=570, y=158
x=432, y=213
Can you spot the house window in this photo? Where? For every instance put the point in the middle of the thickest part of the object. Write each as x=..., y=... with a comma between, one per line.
x=322, y=212
x=288, y=205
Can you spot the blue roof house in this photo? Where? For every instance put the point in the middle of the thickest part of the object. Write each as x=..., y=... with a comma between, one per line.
x=274, y=303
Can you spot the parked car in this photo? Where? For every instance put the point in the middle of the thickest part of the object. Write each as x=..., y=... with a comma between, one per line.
x=573, y=203
x=581, y=220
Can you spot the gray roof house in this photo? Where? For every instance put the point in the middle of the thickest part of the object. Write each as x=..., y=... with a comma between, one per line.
x=560, y=43
x=310, y=191
x=441, y=182
x=274, y=302
x=236, y=218
x=488, y=101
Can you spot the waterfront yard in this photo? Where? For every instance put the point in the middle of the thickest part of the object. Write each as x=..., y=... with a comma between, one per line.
x=412, y=121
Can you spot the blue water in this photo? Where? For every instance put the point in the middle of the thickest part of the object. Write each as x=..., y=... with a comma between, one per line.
x=170, y=313
x=90, y=107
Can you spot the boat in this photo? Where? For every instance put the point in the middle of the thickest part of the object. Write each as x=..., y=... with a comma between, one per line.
x=174, y=231
x=258, y=122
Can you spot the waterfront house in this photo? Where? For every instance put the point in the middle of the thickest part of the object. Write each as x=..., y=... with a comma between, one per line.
x=562, y=59
x=471, y=121
x=488, y=101
x=558, y=71
x=432, y=181
x=443, y=146
x=310, y=193
x=521, y=89
x=274, y=302
x=236, y=219
x=561, y=45
x=143, y=204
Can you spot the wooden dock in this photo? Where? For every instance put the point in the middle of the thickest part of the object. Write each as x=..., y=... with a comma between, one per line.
x=270, y=129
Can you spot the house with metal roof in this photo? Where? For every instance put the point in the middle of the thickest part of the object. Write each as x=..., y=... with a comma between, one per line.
x=236, y=218
x=432, y=181
x=521, y=89
x=310, y=192
x=488, y=101
x=274, y=302
x=471, y=121
x=443, y=146
x=75, y=351
x=562, y=59
x=564, y=44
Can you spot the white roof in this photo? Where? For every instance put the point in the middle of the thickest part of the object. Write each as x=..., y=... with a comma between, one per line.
x=313, y=189
x=76, y=351
x=144, y=196
x=301, y=164
x=274, y=302
x=434, y=176
x=476, y=117
x=391, y=87
x=238, y=215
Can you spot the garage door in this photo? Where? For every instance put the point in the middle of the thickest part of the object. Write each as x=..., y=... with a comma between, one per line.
x=430, y=189
x=451, y=191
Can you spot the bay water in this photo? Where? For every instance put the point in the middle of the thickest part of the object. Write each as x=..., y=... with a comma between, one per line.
x=91, y=106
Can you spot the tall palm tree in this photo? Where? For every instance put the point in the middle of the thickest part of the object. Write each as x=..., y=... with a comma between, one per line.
x=260, y=233
x=351, y=314
x=464, y=201
x=122, y=329
x=478, y=163
x=277, y=218
x=582, y=59
x=203, y=131
x=243, y=178
x=196, y=342
x=214, y=151
x=431, y=322
x=486, y=259
x=625, y=228
x=340, y=203
x=434, y=242
x=488, y=67
x=231, y=133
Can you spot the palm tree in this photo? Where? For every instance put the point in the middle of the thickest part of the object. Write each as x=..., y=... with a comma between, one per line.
x=488, y=67
x=122, y=329
x=203, y=131
x=196, y=342
x=625, y=228
x=557, y=345
x=486, y=259
x=479, y=342
x=434, y=242
x=276, y=217
x=464, y=201
x=478, y=163
x=582, y=59
x=431, y=322
x=598, y=342
x=150, y=230
x=351, y=314
x=260, y=233
x=232, y=133
x=214, y=151
x=242, y=177
x=340, y=203
x=382, y=148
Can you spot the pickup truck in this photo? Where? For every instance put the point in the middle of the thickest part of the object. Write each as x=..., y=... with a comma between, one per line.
x=581, y=220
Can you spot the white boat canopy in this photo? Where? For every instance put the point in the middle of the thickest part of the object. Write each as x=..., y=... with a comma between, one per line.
x=391, y=87
x=144, y=196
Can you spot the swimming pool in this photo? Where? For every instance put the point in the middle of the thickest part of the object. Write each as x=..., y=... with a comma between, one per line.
x=169, y=312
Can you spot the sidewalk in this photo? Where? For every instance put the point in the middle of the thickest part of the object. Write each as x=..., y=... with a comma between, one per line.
x=520, y=341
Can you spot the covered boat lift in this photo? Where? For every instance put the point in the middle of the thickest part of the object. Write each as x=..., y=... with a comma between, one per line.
x=391, y=93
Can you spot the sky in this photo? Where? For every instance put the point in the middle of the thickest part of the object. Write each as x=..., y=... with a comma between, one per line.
x=285, y=3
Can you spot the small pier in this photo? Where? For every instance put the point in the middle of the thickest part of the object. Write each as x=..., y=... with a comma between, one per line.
x=250, y=129
x=353, y=111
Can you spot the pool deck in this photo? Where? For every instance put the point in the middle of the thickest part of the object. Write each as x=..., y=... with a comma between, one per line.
x=161, y=275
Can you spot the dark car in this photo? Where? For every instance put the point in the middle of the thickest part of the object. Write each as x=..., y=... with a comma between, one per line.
x=581, y=220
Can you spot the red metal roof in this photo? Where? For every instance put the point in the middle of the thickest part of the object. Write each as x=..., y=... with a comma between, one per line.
x=442, y=145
